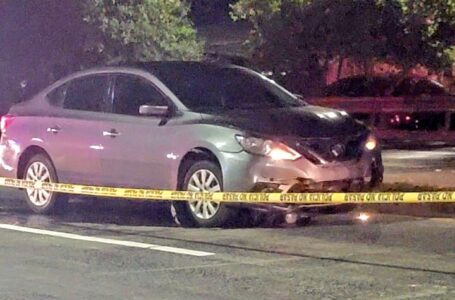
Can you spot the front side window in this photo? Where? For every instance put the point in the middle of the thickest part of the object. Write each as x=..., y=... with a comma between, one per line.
x=359, y=87
x=344, y=88
x=428, y=87
x=419, y=87
x=87, y=93
x=131, y=92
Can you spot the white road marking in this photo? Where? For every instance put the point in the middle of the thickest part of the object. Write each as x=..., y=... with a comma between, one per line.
x=405, y=154
x=72, y=236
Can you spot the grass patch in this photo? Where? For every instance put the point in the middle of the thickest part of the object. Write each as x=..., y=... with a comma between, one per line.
x=412, y=209
x=406, y=187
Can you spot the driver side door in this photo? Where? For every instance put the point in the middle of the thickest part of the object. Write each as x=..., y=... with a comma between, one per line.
x=134, y=153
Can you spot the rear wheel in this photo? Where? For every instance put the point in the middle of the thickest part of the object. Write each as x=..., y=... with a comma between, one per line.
x=202, y=176
x=40, y=169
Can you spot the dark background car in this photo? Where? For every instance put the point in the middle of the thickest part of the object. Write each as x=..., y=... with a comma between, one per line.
x=405, y=104
x=378, y=86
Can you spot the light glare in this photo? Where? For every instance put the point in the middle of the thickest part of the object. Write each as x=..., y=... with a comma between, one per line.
x=371, y=143
x=363, y=217
x=277, y=153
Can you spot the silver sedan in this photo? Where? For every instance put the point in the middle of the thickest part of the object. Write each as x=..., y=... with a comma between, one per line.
x=185, y=126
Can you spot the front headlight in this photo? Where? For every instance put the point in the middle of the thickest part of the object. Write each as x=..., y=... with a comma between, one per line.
x=371, y=143
x=269, y=148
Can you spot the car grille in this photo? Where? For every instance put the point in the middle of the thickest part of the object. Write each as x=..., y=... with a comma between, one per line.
x=331, y=149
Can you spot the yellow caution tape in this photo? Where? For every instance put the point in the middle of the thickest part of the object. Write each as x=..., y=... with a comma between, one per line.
x=290, y=198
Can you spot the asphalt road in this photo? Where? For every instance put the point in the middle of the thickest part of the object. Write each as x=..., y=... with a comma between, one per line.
x=420, y=167
x=113, y=250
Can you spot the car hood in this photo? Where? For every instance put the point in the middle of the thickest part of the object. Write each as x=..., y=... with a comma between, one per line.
x=305, y=122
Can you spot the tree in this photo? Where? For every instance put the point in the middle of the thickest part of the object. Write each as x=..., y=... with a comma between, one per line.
x=300, y=37
x=205, y=12
x=431, y=22
x=144, y=30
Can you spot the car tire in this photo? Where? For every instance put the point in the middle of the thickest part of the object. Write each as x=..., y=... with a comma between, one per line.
x=40, y=168
x=377, y=172
x=342, y=208
x=202, y=176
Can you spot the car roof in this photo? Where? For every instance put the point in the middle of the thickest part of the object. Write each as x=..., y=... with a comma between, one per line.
x=383, y=78
x=362, y=78
x=177, y=65
x=154, y=68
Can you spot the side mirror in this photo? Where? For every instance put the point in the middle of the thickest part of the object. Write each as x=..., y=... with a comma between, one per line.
x=152, y=110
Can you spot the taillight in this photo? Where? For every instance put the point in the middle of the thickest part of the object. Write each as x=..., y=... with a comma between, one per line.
x=5, y=122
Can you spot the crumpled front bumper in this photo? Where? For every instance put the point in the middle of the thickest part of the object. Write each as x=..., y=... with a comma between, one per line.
x=302, y=185
x=246, y=172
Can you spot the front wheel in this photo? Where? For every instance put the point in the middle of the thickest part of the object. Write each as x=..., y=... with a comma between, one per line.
x=202, y=176
x=40, y=169
x=377, y=172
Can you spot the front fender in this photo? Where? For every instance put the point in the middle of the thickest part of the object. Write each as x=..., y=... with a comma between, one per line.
x=218, y=140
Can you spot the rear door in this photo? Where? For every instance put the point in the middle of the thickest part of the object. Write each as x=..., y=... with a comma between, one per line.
x=73, y=132
x=136, y=147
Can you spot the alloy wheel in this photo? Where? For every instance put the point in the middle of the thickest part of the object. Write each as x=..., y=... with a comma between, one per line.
x=38, y=171
x=204, y=181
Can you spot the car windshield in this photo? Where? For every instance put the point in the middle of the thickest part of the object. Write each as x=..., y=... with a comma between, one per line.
x=417, y=87
x=221, y=89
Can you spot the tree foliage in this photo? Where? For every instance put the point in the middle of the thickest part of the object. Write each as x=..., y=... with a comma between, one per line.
x=204, y=12
x=432, y=22
x=144, y=30
x=302, y=36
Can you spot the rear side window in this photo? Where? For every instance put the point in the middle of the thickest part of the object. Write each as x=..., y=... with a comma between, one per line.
x=349, y=87
x=359, y=87
x=404, y=88
x=338, y=89
x=88, y=93
x=131, y=92
x=57, y=95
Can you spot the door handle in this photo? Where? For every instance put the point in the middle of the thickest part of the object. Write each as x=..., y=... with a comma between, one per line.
x=53, y=129
x=111, y=133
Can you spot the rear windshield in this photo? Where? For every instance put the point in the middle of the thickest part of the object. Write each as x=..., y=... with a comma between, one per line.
x=221, y=89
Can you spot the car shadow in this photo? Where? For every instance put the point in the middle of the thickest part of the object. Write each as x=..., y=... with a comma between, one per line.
x=95, y=211
x=150, y=213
